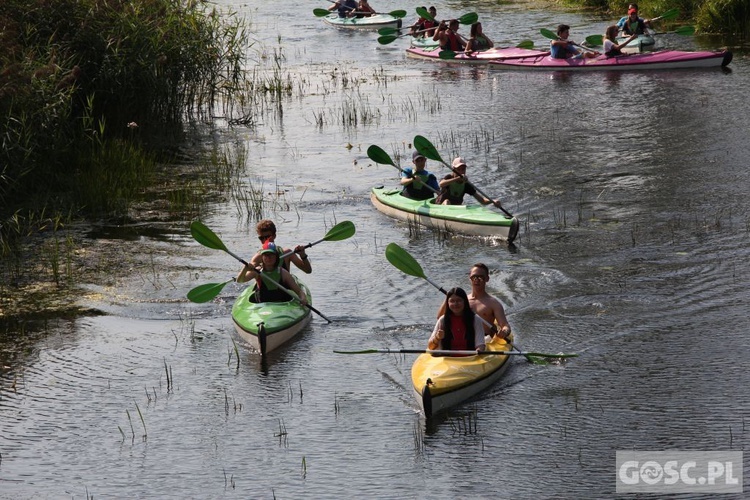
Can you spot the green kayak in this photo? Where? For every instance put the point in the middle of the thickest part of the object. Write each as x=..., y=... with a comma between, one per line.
x=267, y=325
x=473, y=220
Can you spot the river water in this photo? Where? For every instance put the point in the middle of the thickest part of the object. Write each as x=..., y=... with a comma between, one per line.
x=634, y=251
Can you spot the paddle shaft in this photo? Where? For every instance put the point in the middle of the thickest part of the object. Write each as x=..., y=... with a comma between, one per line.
x=402, y=260
x=443, y=352
x=412, y=176
x=436, y=156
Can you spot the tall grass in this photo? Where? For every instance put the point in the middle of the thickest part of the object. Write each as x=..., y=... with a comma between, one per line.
x=83, y=82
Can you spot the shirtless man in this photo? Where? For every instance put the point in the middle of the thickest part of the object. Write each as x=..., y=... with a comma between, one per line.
x=484, y=304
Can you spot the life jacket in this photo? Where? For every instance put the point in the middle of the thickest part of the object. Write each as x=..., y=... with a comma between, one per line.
x=480, y=43
x=634, y=27
x=422, y=192
x=265, y=291
x=454, y=43
x=447, y=342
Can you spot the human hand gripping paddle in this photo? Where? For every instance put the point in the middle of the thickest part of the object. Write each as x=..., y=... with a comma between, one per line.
x=553, y=36
x=398, y=14
x=376, y=154
x=208, y=238
x=402, y=260
x=392, y=37
x=426, y=148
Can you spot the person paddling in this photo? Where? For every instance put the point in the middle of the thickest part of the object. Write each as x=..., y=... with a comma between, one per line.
x=562, y=48
x=448, y=36
x=454, y=186
x=634, y=25
x=344, y=7
x=425, y=27
x=418, y=183
x=266, y=230
x=266, y=289
x=485, y=305
x=624, y=19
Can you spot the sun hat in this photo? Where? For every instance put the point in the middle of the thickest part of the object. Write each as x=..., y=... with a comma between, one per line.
x=416, y=154
x=458, y=161
x=269, y=247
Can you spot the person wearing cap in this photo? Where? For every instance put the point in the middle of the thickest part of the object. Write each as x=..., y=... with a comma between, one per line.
x=268, y=290
x=266, y=230
x=454, y=186
x=633, y=24
x=419, y=184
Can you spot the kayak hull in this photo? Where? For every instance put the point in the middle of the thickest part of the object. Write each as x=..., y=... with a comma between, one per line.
x=494, y=54
x=644, y=40
x=442, y=382
x=422, y=42
x=661, y=60
x=373, y=22
x=268, y=325
x=472, y=220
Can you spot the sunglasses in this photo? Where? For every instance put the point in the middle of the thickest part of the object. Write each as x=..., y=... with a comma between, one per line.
x=264, y=237
x=477, y=277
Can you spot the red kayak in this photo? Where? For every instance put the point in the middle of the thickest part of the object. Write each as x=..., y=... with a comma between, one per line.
x=495, y=54
x=665, y=59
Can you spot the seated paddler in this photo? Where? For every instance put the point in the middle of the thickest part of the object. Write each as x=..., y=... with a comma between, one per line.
x=419, y=184
x=271, y=277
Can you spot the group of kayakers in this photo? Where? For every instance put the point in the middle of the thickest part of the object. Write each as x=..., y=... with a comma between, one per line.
x=448, y=38
x=273, y=261
x=463, y=320
x=352, y=8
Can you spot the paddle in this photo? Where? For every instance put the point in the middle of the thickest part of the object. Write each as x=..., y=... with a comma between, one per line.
x=208, y=238
x=204, y=293
x=439, y=352
x=449, y=54
x=670, y=14
x=595, y=40
x=426, y=148
x=398, y=14
x=553, y=36
x=682, y=30
x=376, y=154
x=386, y=39
x=403, y=261
x=468, y=18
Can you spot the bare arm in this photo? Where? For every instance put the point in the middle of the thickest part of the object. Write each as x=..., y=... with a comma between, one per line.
x=437, y=335
x=299, y=259
x=289, y=282
x=247, y=273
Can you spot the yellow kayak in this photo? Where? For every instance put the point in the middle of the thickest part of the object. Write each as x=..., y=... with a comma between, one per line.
x=441, y=382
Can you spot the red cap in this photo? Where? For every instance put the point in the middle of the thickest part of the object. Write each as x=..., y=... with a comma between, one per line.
x=269, y=247
x=632, y=11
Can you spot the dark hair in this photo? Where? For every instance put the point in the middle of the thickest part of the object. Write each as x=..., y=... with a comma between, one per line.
x=562, y=27
x=468, y=317
x=265, y=225
x=483, y=267
x=474, y=28
x=633, y=5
